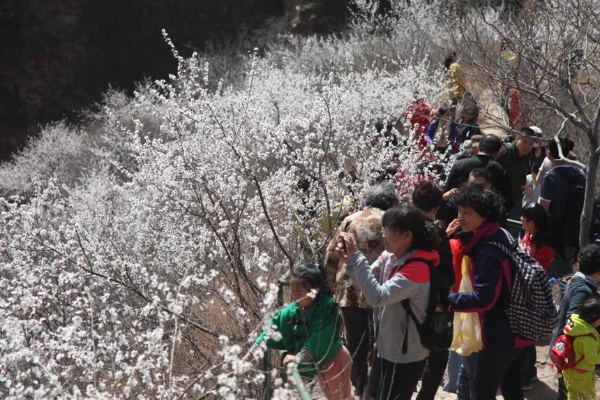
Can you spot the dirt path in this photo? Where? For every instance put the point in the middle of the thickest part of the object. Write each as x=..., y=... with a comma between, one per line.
x=544, y=389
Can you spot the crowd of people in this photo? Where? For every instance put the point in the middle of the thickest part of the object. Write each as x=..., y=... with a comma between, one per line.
x=347, y=327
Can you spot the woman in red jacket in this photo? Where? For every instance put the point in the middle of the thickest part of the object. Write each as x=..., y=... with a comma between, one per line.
x=536, y=242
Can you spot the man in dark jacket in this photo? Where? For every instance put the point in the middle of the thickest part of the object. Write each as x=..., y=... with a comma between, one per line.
x=581, y=287
x=489, y=146
x=514, y=157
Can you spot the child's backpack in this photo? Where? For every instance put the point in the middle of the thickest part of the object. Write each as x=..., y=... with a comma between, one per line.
x=436, y=331
x=562, y=353
x=531, y=311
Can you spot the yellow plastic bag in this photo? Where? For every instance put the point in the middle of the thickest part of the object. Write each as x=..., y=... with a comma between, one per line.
x=467, y=327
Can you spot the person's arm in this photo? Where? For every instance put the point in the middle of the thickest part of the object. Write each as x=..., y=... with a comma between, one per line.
x=397, y=288
x=590, y=351
x=452, y=180
x=544, y=203
x=332, y=262
x=487, y=285
x=431, y=129
x=577, y=296
x=546, y=192
x=270, y=343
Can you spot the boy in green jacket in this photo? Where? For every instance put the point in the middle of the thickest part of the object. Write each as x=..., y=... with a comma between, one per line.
x=307, y=329
x=581, y=379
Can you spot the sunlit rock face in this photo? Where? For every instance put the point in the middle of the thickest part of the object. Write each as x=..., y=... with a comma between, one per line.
x=58, y=56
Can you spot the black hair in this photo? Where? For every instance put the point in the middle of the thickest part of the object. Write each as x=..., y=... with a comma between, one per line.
x=537, y=214
x=566, y=145
x=427, y=195
x=379, y=126
x=485, y=202
x=481, y=173
x=312, y=276
x=589, y=259
x=590, y=310
x=490, y=144
x=408, y=219
x=382, y=196
x=535, y=168
x=449, y=58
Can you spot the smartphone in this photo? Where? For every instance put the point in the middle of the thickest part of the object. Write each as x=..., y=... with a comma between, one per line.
x=343, y=242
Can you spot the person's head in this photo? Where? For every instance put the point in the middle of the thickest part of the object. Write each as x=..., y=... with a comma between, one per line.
x=566, y=145
x=589, y=261
x=469, y=112
x=481, y=176
x=490, y=145
x=382, y=196
x=538, y=136
x=427, y=196
x=534, y=218
x=441, y=112
x=524, y=141
x=477, y=205
x=307, y=281
x=404, y=228
x=590, y=312
x=450, y=58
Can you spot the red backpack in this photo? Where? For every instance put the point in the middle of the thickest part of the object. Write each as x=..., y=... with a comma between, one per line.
x=562, y=353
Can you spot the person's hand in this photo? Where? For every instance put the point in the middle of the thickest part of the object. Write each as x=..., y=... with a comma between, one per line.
x=288, y=359
x=452, y=227
x=351, y=247
x=450, y=194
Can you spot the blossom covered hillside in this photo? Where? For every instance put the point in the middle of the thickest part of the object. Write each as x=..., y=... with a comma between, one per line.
x=141, y=250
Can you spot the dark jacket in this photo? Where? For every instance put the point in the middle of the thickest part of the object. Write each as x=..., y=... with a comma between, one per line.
x=516, y=168
x=577, y=292
x=461, y=169
x=491, y=270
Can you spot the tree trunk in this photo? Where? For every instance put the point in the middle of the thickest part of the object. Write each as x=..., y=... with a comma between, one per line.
x=590, y=185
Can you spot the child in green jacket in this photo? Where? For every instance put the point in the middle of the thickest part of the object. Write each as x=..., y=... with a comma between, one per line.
x=581, y=380
x=307, y=329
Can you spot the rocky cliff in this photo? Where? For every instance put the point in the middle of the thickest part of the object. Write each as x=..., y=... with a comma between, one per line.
x=57, y=56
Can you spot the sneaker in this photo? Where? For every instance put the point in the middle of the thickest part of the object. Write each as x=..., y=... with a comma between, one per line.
x=527, y=385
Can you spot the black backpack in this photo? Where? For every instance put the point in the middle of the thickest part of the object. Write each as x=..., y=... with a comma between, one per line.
x=436, y=331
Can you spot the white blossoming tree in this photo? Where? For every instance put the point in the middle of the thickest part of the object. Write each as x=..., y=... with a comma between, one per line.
x=549, y=54
x=140, y=252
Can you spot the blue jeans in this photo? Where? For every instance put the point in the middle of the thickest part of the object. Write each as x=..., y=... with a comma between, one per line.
x=466, y=378
x=454, y=363
x=399, y=381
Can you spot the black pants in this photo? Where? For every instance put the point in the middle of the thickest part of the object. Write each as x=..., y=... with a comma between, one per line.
x=358, y=323
x=433, y=374
x=562, y=393
x=529, y=368
x=398, y=381
x=499, y=367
